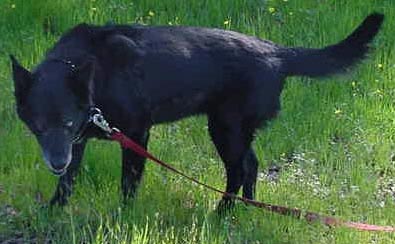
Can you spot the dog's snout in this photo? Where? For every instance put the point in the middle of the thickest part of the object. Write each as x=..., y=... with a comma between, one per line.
x=57, y=151
x=58, y=164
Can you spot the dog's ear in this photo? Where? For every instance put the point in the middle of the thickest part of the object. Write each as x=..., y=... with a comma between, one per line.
x=23, y=81
x=81, y=82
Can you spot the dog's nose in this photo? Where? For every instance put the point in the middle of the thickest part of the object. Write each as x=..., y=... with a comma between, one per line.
x=58, y=166
x=57, y=161
x=57, y=150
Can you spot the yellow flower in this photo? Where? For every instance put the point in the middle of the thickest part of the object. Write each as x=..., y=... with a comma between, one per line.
x=226, y=22
x=272, y=10
x=338, y=111
x=380, y=66
x=151, y=13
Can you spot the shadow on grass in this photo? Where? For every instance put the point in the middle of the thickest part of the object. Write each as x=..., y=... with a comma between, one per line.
x=147, y=222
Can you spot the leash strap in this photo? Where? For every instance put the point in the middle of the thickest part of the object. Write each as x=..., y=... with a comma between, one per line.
x=310, y=217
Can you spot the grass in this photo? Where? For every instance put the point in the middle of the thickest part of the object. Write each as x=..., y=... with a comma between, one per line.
x=334, y=138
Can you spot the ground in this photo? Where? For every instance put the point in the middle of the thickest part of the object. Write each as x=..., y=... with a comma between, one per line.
x=331, y=149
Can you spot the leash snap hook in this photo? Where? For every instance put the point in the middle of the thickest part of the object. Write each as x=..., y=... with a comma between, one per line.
x=100, y=122
x=98, y=119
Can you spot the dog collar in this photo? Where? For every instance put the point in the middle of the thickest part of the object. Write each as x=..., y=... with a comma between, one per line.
x=67, y=62
x=89, y=119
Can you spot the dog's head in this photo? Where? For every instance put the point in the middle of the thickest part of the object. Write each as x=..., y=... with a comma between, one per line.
x=53, y=102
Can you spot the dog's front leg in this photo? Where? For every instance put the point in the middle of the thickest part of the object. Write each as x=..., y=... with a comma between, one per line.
x=133, y=167
x=65, y=184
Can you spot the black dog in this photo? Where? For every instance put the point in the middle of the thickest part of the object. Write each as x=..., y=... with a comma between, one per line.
x=140, y=76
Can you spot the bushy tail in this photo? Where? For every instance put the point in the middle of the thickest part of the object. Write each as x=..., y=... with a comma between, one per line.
x=335, y=58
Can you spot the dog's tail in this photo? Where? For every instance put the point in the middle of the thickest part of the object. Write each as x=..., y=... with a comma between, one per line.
x=335, y=58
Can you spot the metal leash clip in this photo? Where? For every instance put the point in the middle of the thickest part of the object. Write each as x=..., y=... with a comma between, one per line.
x=99, y=120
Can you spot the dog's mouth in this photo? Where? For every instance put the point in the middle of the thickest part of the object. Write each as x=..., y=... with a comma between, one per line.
x=59, y=172
x=57, y=164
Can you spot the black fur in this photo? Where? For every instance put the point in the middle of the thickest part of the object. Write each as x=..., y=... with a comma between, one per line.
x=140, y=76
x=336, y=58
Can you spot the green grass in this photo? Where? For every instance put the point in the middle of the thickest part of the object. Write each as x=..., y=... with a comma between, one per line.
x=334, y=137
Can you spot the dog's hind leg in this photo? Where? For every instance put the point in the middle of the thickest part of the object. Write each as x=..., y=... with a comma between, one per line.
x=66, y=181
x=133, y=165
x=251, y=167
x=233, y=143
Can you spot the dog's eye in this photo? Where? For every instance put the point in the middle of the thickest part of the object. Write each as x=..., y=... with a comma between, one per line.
x=69, y=124
x=38, y=131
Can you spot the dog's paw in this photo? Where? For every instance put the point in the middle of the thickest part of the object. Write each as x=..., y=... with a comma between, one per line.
x=58, y=200
x=225, y=207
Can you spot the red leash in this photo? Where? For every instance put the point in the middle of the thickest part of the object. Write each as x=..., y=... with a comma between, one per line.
x=295, y=212
x=310, y=217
